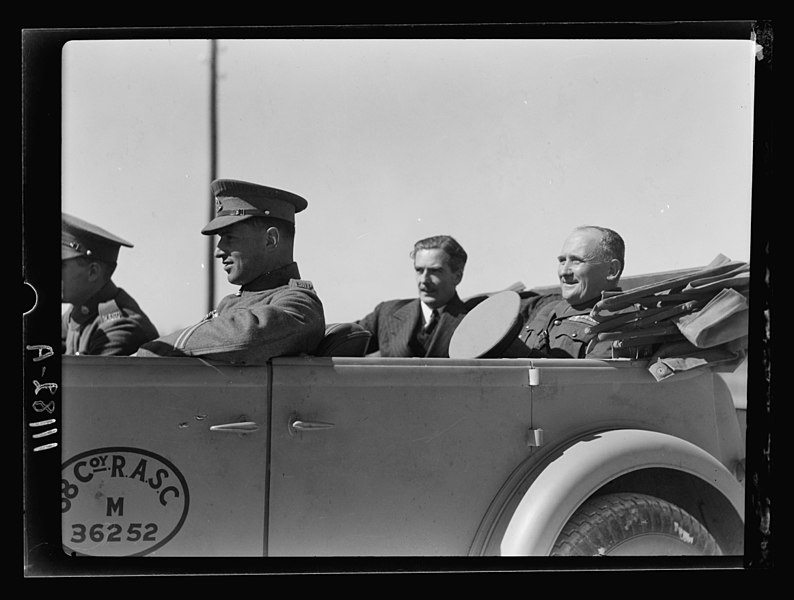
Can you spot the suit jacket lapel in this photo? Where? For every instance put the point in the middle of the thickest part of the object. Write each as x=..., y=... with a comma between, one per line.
x=401, y=325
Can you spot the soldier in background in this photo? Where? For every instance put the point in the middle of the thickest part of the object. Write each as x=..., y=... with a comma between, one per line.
x=103, y=318
x=275, y=312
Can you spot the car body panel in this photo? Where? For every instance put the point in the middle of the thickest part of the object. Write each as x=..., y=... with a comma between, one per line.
x=416, y=451
x=392, y=456
x=161, y=411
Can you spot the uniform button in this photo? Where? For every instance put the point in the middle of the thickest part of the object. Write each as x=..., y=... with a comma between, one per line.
x=557, y=322
x=573, y=334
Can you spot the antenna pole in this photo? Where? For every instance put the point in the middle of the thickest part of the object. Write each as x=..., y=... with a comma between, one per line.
x=213, y=172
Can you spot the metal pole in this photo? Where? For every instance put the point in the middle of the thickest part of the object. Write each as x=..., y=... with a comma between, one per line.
x=213, y=174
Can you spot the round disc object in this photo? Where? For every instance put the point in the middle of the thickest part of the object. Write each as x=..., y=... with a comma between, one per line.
x=489, y=329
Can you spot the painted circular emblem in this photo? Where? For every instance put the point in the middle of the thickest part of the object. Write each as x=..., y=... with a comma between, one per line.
x=120, y=502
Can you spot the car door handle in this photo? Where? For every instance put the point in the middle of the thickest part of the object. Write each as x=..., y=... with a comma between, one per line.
x=296, y=424
x=239, y=427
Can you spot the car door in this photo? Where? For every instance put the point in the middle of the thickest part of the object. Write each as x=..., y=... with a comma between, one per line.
x=163, y=457
x=391, y=456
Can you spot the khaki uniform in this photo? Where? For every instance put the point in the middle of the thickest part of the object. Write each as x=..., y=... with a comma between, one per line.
x=110, y=323
x=277, y=314
x=558, y=331
x=531, y=303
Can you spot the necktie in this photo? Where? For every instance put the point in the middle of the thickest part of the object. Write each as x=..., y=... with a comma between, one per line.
x=431, y=323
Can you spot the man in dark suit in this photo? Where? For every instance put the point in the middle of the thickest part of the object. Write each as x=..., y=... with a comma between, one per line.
x=423, y=326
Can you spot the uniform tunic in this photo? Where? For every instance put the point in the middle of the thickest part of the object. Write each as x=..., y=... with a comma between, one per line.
x=531, y=303
x=277, y=314
x=558, y=331
x=110, y=323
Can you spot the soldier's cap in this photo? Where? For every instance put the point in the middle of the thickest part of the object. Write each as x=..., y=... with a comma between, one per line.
x=490, y=329
x=239, y=200
x=81, y=238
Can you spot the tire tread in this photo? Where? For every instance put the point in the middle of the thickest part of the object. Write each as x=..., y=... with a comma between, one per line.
x=605, y=521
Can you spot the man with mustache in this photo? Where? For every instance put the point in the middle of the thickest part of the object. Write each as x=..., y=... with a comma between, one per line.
x=422, y=326
x=275, y=312
x=591, y=261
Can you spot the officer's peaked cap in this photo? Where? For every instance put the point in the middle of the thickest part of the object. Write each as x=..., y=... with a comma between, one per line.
x=81, y=238
x=239, y=200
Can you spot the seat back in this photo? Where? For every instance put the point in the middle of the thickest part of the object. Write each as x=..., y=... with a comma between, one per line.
x=344, y=339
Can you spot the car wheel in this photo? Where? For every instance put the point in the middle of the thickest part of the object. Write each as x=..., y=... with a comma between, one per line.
x=633, y=525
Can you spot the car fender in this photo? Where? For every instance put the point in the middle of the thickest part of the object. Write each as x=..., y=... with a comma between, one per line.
x=576, y=472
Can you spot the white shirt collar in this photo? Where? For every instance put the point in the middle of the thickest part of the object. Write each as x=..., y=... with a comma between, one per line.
x=426, y=311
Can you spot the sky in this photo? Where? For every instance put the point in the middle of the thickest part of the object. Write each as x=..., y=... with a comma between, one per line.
x=505, y=144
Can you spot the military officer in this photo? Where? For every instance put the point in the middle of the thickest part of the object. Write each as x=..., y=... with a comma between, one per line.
x=103, y=318
x=591, y=261
x=275, y=312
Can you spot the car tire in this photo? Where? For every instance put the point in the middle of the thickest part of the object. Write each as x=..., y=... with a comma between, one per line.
x=629, y=524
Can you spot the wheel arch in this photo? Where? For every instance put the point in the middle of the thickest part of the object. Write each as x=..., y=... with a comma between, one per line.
x=536, y=506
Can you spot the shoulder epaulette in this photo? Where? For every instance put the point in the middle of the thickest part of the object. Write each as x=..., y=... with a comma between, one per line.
x=109, y=311
x=301, y=283
x=583, y=319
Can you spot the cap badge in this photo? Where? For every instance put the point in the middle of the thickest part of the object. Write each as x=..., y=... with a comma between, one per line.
x=78, y=247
